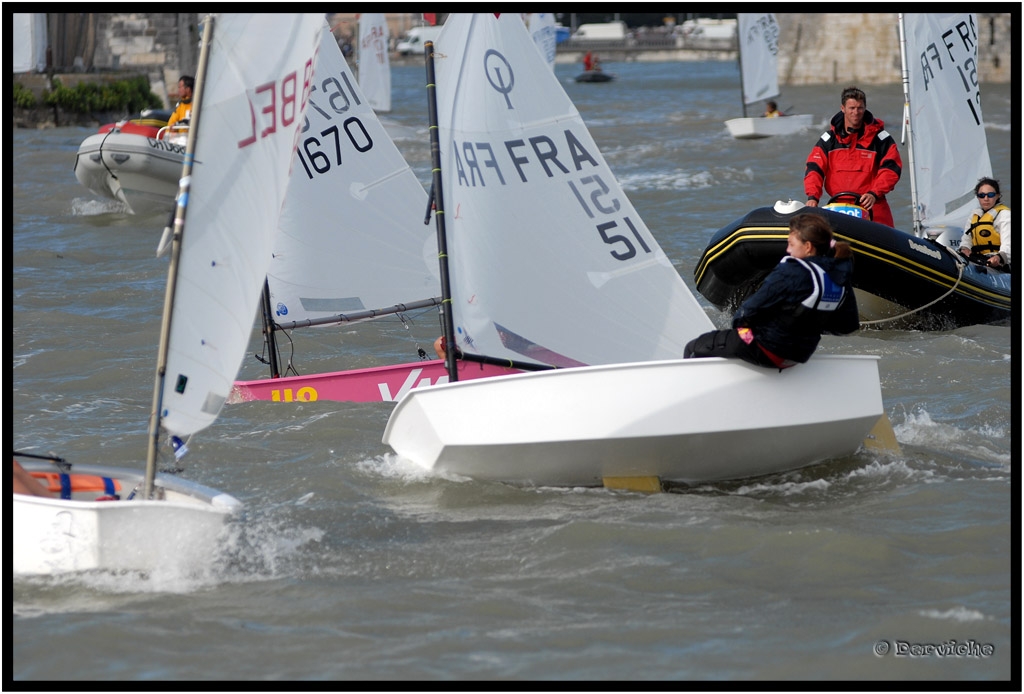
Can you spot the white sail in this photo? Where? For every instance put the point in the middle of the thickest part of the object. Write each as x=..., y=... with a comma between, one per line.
x=542, y=29
x=29, y=44
x=250, y=108
x=374, y=63
x=548, y=258
x=352, y=230
x=758, y=36
x=950, y=150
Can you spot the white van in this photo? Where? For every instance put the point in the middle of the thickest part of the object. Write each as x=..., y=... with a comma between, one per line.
x=605, y=31
x=416, y=38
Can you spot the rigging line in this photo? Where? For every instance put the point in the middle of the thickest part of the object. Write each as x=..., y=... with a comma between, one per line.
x=103, y=142
x=62, y=464
x=959, y=276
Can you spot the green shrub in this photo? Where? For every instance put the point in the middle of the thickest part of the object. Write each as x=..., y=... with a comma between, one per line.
x=128, y=95
x=23, y=96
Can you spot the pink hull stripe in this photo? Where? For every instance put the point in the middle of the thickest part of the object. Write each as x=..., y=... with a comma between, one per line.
x=377, y=384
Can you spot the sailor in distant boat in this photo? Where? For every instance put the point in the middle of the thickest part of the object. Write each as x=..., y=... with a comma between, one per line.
x=183, y=109
x=771, y=110
x=987, y=232
x=855, y=155
x=809, y=292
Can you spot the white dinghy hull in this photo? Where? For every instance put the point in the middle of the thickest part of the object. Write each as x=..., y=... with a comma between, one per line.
x=664, y=419
x=756, y=128
x=142, y=172
x=179, y=528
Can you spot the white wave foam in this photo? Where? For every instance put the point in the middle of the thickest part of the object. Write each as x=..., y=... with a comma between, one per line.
x=669, y=180
x=85, y=207
x=957, y=614
x=785, y=488
x=264, y=549
x=392, y=466
x=890, y=469
x=250, y=550
x=919, y=429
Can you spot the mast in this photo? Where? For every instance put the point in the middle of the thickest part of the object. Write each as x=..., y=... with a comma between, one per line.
x=908, y=132
x=739, y=62
x=172, y=270
x=269, y=330
x=437, y=192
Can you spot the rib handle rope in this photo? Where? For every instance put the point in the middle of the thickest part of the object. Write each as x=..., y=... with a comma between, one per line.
x=959, y=276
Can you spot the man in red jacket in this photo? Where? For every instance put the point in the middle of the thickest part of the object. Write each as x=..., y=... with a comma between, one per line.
x=856, y=155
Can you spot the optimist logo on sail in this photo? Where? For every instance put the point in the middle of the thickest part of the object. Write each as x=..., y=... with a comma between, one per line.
x=499, y=85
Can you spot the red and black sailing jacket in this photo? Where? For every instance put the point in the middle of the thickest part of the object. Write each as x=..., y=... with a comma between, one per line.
x=860, y=162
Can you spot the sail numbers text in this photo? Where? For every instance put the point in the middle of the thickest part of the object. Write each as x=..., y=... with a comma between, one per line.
x=319, y=152
x=957, y=49
x=478, y=163
x=276, y=100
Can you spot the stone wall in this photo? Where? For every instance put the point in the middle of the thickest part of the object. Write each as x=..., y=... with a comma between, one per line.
x=163, y=46
x=861, y=48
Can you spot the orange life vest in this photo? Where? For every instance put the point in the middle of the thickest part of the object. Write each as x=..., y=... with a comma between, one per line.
x=66, y=484
x=984, y=235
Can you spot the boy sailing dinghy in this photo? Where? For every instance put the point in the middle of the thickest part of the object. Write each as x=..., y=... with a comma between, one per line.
x=548, y=263
x=757, y=48
x=249, y=104
x=352, y=247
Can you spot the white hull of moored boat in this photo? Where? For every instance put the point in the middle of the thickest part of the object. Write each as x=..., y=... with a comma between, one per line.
x=142, y=172
x=180, y=529
x=754, y=128
x=664, y=419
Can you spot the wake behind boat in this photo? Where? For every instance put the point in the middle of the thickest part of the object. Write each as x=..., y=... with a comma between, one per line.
x=548, y=263
x=136, y=161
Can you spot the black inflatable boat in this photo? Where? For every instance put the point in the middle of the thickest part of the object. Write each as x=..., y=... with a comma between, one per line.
x=902, y=281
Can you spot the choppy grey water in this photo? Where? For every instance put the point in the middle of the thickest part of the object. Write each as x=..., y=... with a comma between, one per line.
x=348, y=564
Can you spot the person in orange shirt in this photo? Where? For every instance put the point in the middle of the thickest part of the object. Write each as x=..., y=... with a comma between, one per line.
x=183, y=110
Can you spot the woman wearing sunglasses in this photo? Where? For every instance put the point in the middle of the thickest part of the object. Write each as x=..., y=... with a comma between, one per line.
x=987, y=233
